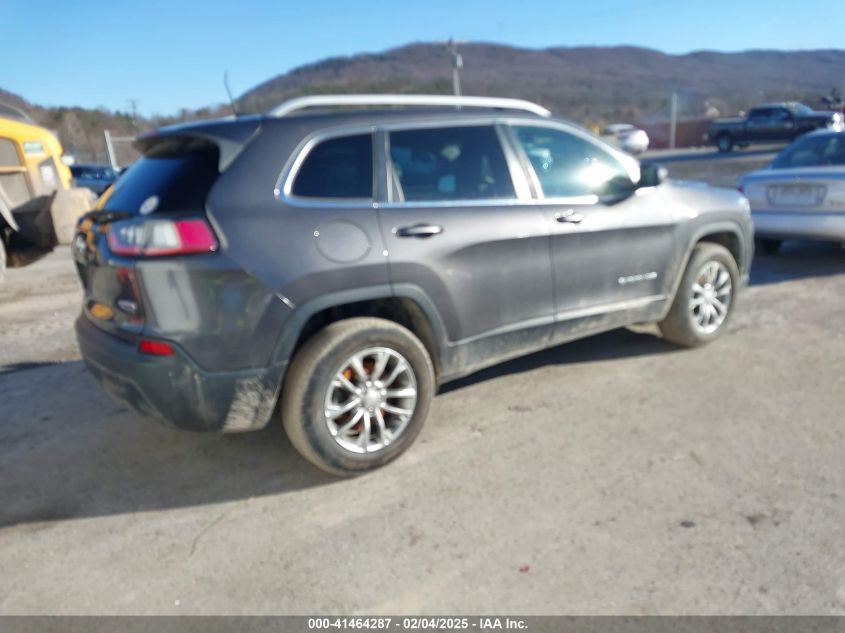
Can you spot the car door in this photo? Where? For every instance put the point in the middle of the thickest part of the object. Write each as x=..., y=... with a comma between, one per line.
x=782, y=124
x=771, y=124
x=459, y=228
x=612, y=245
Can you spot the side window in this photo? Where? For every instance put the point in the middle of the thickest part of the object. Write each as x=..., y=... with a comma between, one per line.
x=456, y=163
x=780, y=115
x=337, y=168
x=569, y=166
x=760, y=115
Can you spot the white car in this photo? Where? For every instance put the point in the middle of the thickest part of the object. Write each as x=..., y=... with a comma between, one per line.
x=627, y=137
x=802, y=193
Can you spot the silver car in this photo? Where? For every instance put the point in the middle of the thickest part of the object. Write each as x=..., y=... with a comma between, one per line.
x=802, y=193
x=627, y=137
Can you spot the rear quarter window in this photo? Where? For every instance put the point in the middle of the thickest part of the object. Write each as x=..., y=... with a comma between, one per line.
x=337, y=168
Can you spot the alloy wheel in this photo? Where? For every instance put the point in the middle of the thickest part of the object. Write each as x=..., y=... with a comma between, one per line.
x=712, y=292
x=370, y=400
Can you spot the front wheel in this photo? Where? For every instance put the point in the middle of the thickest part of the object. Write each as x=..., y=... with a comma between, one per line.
x=705, y=298
x=357, y=395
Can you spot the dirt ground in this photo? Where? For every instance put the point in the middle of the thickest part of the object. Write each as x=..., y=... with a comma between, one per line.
x=612, y=475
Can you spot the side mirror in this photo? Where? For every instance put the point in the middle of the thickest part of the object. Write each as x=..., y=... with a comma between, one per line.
x=617, y=189
x=652, y=174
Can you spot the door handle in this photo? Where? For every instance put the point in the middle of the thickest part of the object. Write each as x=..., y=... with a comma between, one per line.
x=419, y=230
x=569, y=216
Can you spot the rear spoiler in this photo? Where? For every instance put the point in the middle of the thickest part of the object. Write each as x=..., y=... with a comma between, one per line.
x=229, y=135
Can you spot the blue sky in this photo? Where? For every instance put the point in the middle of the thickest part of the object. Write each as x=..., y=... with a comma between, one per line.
x=170, y=54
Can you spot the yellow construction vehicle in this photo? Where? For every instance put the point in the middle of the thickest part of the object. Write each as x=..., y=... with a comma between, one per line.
x=38, y=208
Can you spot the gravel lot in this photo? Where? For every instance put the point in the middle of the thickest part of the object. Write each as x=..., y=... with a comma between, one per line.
x=629, y=477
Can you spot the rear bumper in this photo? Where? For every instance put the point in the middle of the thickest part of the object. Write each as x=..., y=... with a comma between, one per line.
x=176, y=392
x=828, y=226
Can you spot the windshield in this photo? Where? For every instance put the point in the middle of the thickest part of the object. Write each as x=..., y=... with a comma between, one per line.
x=813, y=151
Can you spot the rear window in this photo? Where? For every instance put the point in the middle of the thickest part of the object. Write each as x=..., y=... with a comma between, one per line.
x=174, y=175
x=337, y=168
x=825, y=150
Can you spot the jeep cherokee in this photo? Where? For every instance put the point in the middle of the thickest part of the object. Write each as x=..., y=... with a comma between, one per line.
x=344, y=262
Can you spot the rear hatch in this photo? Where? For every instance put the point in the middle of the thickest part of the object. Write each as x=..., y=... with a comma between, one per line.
x=156, y=209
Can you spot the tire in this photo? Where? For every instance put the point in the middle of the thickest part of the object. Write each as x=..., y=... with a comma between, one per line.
x=724, y=143
x=769, y=246
x=313, y=383
x=682, y=325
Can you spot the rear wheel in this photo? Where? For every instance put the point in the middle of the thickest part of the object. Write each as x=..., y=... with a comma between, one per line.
x=724, y=142
x=705, y=299
x=769, y=246
x=357, y=395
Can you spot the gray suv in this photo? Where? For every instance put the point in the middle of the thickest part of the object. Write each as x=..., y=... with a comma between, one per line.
x=343, y=262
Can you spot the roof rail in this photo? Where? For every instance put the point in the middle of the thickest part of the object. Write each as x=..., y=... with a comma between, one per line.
x=314, y=101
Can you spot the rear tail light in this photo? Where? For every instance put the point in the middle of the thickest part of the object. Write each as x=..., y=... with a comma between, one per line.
x=154, y=238
x=155, y=348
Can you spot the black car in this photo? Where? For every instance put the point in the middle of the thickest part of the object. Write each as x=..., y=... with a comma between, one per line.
x=97, y=178
x=770, y=123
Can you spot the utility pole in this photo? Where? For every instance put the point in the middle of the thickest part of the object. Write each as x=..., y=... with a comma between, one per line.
x=457, y=64
x=133, y=103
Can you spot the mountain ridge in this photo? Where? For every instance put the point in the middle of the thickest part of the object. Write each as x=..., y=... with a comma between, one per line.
x=588, y=84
